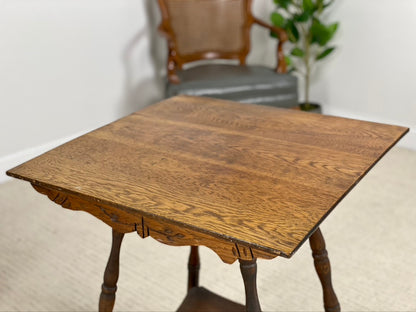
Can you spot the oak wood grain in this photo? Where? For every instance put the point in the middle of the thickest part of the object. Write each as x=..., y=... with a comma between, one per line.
x=261, y=179
x=164, y=232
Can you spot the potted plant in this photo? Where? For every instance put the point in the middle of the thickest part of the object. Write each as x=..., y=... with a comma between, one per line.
x=309, y=35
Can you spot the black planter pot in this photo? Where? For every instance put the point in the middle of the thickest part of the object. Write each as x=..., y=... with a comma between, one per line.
x=312, y=108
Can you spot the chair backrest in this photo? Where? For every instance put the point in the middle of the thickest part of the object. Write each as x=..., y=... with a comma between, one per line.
x=206, y=29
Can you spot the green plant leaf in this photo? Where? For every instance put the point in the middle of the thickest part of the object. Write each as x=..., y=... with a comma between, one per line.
x=297, y=52
x=283, y=3
x=308, y=6
x=321, y=34
x=320, y=6
x=325, y=53
x=277, y=19
x=292, y=31
x=333, y=29
x=301, y=18
x=327, y=33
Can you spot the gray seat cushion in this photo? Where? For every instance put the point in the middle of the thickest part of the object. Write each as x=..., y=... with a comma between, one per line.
x=247, y=84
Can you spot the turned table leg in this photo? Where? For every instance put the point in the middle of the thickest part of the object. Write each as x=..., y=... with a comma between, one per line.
x=109, y=286
x=323, y=268
x=193, y=268
x=249, y=272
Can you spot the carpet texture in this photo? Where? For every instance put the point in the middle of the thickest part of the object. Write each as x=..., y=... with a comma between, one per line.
x=52, y=259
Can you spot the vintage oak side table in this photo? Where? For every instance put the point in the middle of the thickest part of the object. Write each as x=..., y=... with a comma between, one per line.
x=246, y=181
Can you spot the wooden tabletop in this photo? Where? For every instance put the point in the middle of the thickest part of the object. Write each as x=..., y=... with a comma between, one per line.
x=257, y=176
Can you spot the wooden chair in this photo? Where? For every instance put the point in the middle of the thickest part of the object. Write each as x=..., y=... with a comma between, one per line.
x=198, y=30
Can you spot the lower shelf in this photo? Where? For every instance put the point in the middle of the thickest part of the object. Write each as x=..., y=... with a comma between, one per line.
x=200, y=299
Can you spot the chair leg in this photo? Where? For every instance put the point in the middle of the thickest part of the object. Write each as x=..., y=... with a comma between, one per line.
x=109, y=286
x=193, y=268
x=249, y=272
x=323, y=268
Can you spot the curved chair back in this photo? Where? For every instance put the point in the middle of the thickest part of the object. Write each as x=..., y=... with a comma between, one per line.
x=206, y=29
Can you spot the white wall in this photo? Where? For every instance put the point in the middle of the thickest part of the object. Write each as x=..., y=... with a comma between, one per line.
x=69, y=66
x=372, y=75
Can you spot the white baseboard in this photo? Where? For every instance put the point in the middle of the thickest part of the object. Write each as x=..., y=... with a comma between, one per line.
x=12, y=160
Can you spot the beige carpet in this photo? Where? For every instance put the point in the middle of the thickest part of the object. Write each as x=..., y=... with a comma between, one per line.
x=52, y=259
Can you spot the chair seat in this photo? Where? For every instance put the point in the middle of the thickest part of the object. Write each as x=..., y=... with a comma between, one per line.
x=247, y=84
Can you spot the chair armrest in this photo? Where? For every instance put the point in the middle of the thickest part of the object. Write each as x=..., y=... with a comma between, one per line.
x=282, y=36
x=171, y=63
